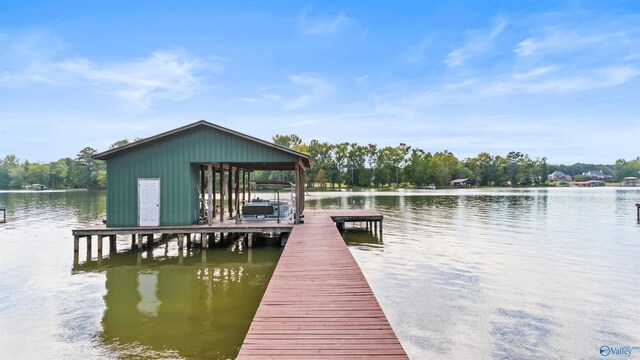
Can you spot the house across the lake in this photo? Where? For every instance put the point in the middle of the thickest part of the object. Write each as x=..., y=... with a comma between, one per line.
x=559, y=176
x=172, y=179
x=463, y=182
x=598, y=175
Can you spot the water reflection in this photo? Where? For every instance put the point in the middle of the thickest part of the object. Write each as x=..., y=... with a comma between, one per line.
x=506, y=273
x=165, y=306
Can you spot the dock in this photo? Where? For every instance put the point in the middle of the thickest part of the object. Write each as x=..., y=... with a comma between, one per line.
x=4, y=213
x=139, y=233
x=318, y=303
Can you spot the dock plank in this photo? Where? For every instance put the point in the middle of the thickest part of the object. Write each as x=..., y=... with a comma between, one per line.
x=318, y=304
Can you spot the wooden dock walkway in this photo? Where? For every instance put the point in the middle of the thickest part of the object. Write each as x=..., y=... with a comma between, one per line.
x=318, y=303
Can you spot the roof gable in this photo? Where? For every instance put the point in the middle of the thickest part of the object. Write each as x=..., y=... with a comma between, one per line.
x=202, y=123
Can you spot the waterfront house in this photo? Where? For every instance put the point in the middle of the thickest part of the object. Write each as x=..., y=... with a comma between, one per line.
x=559, y=176
x=170, y=179
x=462, y=182
x=598, y=175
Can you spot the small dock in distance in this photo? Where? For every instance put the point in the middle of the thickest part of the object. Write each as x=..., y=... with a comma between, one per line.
x=318, y=303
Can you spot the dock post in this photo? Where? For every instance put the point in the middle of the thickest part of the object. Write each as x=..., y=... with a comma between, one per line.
x=89, y=238
x=140, y=236
x=100, y=238
x=133, y=241
x=375, y=227
x=180, y=242
x=203, y=240
x=76, y=244
x=113, y=246
x=250, y=240
x=380, y=230
x=638, y=209
x=189, y=241
x=150, y=241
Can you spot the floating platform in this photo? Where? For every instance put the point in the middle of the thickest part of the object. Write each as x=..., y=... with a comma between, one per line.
x=318, y=303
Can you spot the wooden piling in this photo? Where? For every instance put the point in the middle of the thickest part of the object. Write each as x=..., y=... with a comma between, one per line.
x=180, y=242
x=100, y=238
x=76, y=244
x=113, y=245
x=221, y=192
x=89, y=238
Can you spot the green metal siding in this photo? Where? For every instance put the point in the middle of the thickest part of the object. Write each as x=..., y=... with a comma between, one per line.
x=174, y=160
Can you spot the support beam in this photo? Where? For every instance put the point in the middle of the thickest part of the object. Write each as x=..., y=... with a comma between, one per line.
x=113, y=245
x=203, y=211
x=221, y=192
x=89, y=238
x=210, y=194
x=230, y=192
x=180, y=242
x=249, y=187
x=244, y=185
x=140, y=236
x=100, y=238
x=237, y=193
x=76, y=244
x=250, y=240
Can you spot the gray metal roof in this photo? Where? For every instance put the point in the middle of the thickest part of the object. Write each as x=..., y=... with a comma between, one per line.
x=110, y=153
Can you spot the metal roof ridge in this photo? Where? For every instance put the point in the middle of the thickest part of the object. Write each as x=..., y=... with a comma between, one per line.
x=108, y=153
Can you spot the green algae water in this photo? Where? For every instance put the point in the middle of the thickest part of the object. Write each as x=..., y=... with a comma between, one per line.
x=152, y=304
x=461, y=274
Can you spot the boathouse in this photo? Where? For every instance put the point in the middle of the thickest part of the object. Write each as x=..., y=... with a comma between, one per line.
x=170, y=179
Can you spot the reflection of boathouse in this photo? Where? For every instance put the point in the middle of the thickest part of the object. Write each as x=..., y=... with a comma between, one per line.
x=175, y=177
x=161, y=304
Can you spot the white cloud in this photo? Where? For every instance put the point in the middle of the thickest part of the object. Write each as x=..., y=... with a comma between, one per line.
x=302, y=91
x=479, y=42
x=324, y=25
x=417, y=53
x=168, y=75
x=362, y=80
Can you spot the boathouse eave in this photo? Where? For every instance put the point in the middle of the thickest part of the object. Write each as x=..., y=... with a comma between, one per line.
x=122, y=149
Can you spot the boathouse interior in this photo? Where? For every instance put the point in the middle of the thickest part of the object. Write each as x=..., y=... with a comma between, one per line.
x=197, y=171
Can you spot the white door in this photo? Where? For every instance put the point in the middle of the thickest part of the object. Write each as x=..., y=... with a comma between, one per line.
x=148, y=202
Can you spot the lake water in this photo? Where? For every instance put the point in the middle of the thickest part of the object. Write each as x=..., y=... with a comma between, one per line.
x=461, y=274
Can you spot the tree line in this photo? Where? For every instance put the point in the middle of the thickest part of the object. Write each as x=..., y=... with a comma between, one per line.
x=353, y=164
x=336, y=165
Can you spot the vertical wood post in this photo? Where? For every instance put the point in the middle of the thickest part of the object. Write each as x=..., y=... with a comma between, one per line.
x=113, y=246
x=221, y=192
x=180, y=242
x=140, y=236
x=76, y=244
x=250, y=240
x=230, y=192
x=189, y=241
x=249, y=187
x=133, y=241
x=203, y=240
x=203, y=212
x=100, y=238
x=89, y=238
x=244, y=185
x=237, y=193
x=213, y=190
x=210, y=195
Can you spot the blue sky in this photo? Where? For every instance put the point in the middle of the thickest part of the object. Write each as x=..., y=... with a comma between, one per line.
x=548, y=78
